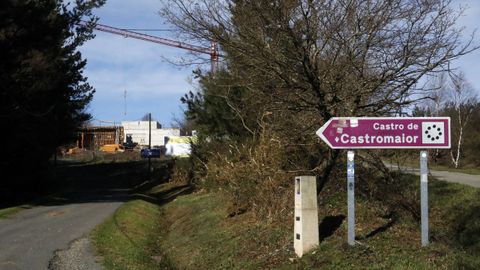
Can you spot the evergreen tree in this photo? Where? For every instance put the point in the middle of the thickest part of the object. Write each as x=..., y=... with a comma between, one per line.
x=43, y=91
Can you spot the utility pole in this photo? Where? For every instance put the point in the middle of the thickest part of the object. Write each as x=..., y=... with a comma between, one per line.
x=149, y=145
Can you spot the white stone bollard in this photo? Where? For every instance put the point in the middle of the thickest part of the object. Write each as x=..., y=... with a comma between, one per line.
x=306, y=235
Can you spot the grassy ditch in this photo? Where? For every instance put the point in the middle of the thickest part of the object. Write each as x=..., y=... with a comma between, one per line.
x=194, y=232
x=128, y=239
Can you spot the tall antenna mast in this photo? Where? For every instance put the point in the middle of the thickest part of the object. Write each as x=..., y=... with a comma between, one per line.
x=125, y=101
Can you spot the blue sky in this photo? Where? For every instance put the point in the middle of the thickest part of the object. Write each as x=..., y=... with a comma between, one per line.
x=153, y=83
x=144, y=69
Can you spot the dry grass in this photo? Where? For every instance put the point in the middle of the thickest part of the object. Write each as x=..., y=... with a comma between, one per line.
x=254, y=179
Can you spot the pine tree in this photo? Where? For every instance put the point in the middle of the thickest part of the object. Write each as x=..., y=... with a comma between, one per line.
x=43, y=90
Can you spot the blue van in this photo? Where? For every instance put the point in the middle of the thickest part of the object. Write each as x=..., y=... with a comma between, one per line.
x=150, y=153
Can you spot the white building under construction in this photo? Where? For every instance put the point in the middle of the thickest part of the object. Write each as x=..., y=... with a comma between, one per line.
x=139, y=130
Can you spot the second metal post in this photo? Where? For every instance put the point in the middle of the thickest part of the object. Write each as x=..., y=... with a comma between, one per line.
x=351, y=196
x=424, y=196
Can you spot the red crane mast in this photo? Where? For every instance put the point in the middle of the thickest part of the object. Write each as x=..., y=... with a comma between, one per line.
x=212, y=50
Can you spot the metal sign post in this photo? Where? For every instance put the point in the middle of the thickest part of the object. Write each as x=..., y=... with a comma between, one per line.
x=424, y=196
x=351, y=196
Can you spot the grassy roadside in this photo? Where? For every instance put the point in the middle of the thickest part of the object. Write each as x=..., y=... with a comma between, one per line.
x=474, y=171
x=199, y=237
x=412, y=164
x=10, y=211
x=194, y=232
x=128, y=239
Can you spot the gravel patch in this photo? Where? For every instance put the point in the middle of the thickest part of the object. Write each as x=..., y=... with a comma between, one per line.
x=78, y=256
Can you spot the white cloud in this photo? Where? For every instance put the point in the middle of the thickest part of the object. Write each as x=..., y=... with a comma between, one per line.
x=144, y=69
x=145, y=81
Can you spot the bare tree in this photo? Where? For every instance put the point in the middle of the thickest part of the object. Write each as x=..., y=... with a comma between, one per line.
x=436, y=97
x=309, y=60
x=435, y=101
x=462, y=100
x=366, y=54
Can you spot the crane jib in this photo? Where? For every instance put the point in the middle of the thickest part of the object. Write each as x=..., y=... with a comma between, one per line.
x=150, y=38
x=212, y=51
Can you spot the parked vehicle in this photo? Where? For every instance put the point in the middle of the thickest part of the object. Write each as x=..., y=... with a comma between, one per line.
x=129, y=144
x=162, y=149
x=150, y=153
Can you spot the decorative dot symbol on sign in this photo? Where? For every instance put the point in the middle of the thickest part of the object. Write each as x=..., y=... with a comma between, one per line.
x=433, y=132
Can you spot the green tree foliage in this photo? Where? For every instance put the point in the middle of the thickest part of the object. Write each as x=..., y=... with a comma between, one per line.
x=471, y=147
x=221, y=108
x=43, y=91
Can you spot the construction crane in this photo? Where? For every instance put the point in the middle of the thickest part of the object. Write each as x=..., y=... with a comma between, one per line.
x=212, y=50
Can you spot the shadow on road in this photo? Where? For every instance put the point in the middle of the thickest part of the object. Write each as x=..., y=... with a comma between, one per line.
x=101, y=182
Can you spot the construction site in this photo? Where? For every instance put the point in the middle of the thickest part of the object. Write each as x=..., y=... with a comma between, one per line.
x=94, y=137
x=130, y=136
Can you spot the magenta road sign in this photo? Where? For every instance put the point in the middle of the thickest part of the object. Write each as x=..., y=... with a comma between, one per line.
x=386, y=132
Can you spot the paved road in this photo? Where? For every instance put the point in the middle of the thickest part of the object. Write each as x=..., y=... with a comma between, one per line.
x=454, y=177
x=54, y=235
x=29, y=239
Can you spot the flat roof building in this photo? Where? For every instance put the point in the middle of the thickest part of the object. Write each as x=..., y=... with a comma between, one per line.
x=138, y=132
